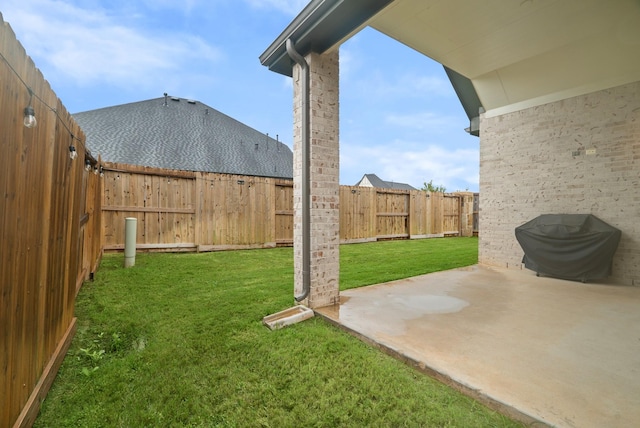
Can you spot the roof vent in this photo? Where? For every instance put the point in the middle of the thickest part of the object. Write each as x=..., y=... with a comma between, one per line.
x=175, y=99
x=191, y=101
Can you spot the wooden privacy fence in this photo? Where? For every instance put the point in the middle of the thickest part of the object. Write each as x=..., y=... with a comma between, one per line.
x=49, y=233
x=197, y=211
x=370, y=214
x=189, y=211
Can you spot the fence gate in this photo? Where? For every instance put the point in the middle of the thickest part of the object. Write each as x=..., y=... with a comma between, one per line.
x=392, y=215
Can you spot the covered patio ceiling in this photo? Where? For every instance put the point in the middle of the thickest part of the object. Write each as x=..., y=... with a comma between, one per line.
x=523, y=52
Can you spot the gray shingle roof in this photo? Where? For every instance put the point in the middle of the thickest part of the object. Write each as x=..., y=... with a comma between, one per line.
x=182, y=134
x=376, y=181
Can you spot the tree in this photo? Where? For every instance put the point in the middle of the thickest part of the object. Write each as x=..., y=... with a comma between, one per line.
x=430, y=187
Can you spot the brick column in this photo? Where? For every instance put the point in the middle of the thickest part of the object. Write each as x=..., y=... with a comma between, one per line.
x=324, y=177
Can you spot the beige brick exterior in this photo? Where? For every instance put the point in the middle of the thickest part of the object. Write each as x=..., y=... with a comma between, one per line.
x=579, y=155
x=324, y=174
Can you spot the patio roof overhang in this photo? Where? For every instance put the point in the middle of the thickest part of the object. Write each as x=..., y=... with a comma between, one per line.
x=499, y=55
x=321, y=25
x=523, y=53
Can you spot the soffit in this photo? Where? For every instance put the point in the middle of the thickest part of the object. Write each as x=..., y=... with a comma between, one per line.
x=523, y=51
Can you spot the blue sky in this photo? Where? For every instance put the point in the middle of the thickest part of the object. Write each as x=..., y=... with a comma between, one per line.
x=400, y=117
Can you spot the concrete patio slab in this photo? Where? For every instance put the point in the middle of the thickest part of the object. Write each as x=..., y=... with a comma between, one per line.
x=560, y=352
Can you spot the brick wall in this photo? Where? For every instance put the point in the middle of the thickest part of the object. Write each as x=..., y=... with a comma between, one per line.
x=324, y=174
x=579, y=155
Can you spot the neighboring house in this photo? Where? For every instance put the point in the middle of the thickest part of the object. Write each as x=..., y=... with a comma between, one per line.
x=177, y=133
x=372, y=180
x=552, y=88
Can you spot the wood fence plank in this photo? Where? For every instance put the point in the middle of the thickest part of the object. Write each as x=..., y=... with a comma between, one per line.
x=43, y=230
x=12, y=97
x=29, y=413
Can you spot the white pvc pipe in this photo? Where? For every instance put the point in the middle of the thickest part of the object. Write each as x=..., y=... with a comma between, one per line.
x=130, y=241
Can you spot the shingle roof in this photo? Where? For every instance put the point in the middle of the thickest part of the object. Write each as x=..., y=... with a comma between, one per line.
x=176, y=133
x=376, y=181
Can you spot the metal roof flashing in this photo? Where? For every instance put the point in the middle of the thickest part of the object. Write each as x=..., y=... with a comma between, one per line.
x=321, y=25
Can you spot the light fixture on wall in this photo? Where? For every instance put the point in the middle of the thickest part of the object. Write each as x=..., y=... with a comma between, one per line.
x=29, y=113
x=101, y=171
x=87, y=165
x=72, y=152
x=95, y=170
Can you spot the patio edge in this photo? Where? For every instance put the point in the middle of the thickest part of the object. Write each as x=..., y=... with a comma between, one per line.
x=481, y=397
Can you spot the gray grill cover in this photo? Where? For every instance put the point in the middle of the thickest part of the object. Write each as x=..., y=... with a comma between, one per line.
x=568, y=246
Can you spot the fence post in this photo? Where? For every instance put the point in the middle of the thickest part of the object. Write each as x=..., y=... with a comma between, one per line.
x=130, y=241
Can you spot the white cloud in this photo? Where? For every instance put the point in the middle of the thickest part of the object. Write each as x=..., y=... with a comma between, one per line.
x=456, y=169
x=349, y=65
x=289, y=7
x=411, y=82
x=91, y=46
x=430, y=84
x=185, y=6
x=423, y=121
x=408, y=85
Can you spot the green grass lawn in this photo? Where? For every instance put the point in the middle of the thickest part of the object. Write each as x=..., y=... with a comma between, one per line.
x=376, y=262
x=177, y=341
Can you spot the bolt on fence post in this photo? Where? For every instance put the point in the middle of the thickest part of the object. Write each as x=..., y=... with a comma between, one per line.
x=130, y=241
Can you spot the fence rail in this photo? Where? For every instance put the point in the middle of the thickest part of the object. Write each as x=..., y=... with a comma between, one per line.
x=197, y=211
